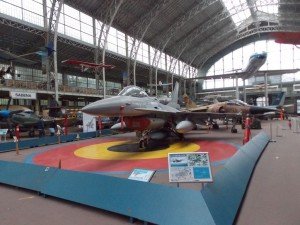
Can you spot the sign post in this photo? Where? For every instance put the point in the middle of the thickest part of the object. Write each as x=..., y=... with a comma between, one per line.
x=16, y=140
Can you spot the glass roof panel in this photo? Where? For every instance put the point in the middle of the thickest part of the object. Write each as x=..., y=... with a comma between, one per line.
x=238, y=9
x=267, y=6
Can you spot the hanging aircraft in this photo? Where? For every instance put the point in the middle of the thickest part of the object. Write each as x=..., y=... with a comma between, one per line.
x=147, y=116
x=256, y=60
x=86, y=65
x=160, y=84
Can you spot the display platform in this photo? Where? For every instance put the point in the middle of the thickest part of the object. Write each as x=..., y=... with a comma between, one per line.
x=117, y=154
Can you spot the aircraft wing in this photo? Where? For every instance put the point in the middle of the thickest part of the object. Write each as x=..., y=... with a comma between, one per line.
x=192, y=115
x=154, y=110
x=199, y=108
x=206, y=115
x=275, y=72
x=245, y=75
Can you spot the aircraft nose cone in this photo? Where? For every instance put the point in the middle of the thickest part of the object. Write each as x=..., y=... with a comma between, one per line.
x=105, y=107
x=260, y=110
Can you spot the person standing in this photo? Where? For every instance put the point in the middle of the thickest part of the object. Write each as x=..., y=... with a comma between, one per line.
x=52, y=127
x=41, y=127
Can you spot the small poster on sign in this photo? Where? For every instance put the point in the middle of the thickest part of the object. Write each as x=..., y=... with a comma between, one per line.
x=189, y=167
x=141, y=175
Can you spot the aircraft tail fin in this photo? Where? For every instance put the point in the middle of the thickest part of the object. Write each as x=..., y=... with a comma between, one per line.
x=189, y=104
x=216, y=100
x=174, y=99
x=279, y=99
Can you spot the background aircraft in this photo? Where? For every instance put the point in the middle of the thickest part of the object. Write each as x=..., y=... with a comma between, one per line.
x=236, y=106
x=256, y=60
x=86, y=65
x=10, y=116
x=147, y=116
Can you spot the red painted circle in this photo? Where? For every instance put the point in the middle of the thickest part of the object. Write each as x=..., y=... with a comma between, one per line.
x=218, y=151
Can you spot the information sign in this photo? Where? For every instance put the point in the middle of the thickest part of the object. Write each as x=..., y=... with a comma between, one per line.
x=189, y=167
x=22, y=95
x=141, y=175
x=89, y=123
x=3, y=133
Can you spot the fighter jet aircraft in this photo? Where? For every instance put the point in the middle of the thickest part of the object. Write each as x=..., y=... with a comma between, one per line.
x=26, y=119
x=12, y=115
x=147, y=116
x=235, y=106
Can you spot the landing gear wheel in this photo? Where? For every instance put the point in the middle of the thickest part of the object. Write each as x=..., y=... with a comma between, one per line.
x=215, y=126
x=31, y=133
x=143, y=144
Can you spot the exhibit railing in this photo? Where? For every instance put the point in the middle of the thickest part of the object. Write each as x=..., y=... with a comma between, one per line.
x=42, y=86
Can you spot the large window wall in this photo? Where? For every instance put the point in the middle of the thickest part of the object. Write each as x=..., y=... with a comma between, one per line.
x=79, y=25
x=280, y=56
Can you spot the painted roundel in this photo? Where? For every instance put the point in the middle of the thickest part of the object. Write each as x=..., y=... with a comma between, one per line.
x=118, y=155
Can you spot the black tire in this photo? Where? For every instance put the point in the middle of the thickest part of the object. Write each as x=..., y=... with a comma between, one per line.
x=215, y=126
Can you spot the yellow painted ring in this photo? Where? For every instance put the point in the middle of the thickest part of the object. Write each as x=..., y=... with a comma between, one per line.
x=101, y=152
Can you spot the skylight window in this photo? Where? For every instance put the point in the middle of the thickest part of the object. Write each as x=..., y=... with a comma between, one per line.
x=267, y=6
x=238, y=9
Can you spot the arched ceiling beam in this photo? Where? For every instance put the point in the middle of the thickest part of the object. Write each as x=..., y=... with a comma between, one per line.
x=170, y=32
x=243, y=35
x=105, y=27
x=224, y=14
x=98, y=13
x=6, y=20
x=139, y=29
x=181, y=21
x=260, y=17
x=220, y=35
x=187, y=40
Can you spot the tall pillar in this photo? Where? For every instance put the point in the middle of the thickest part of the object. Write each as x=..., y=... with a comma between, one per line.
x=244, y=90
x=266, y=89
x=237, y=95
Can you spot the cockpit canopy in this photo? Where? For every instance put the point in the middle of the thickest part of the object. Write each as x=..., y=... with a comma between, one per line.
x=133, y=91
x=237, y=102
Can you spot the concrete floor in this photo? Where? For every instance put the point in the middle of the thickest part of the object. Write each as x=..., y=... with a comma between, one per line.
x=272, y=197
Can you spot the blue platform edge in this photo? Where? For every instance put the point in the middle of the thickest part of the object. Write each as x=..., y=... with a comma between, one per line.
x=224, y=196
x=217, y=203
x=50, y=140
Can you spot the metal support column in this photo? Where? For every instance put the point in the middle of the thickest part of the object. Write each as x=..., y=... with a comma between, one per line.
x=266, y=89
x=51, y=39
x=237, y=95
x=102, y=39
x=244, y=90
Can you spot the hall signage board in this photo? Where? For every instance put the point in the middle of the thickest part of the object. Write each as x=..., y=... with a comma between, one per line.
x=89, y=122
x=189, y=167
x=22, y=95
x=141, y=175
